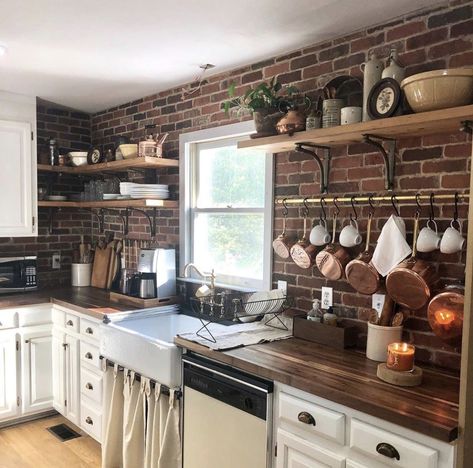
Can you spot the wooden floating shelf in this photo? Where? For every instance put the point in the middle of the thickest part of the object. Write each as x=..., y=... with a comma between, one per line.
x=113, y=166
x=425, y=123
x=133, y=203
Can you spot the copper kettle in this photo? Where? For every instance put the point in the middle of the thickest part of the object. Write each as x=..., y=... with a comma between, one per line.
x=293, y=121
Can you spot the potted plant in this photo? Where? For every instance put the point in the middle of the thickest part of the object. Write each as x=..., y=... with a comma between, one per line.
x=266, y=101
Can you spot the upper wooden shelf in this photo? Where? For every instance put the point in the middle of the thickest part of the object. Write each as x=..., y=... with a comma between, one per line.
x=130, y=203
x=113, y=166
x=425, y=123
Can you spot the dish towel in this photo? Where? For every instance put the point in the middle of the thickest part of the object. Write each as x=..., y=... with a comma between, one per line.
x=392, y=247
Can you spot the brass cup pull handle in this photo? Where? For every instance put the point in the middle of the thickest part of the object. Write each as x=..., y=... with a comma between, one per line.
x=89, y=386
x=69, y=323
x=388, y=450
x=89, y=331
x=88, y=356
x=306, y=418
x=88, y=420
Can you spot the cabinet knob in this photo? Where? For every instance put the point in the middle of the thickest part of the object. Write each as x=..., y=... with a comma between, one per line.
x=387, y=450
x=88, y=420
x=89, y=331
x=306, y=418
x=88, y=356
x=89, y=386
x=69, y=323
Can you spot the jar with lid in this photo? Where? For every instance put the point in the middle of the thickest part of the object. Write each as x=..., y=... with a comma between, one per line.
x=53, y=152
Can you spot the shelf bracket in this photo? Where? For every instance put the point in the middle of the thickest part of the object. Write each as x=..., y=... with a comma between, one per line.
x=124, y=219
x=467, y=126
x=151, y=220
x=50, y=220
x=389, y=155
x=100, y=217
x=324, y=164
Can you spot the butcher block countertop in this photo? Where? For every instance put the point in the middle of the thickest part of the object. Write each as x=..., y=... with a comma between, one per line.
x=349, y=378
x=86, y=300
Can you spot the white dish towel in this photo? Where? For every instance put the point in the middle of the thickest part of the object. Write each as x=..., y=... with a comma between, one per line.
x=392, y=247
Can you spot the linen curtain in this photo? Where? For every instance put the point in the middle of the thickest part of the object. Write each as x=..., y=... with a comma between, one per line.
x=141, y=423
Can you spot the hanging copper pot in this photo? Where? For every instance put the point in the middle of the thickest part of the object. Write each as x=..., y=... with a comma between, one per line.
x=303, y=253
x=360, y=272
x=410, y=283
x=282, y=244
x=445, y=314
x=333, y=259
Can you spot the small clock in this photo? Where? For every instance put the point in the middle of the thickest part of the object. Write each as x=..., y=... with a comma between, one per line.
x=385, y=99
x=94, y=156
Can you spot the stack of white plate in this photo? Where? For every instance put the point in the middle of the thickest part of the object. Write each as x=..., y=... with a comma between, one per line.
x=155, y=191
x=125, y=187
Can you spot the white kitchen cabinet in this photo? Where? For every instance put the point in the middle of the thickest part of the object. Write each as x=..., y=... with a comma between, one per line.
x=9, y=407
x=36, y=369
x=295, y=452
x=59, y=372
x=72, y=379
x=18, y=163
x=352, y=464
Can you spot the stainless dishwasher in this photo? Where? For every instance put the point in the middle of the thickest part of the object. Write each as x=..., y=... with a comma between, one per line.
x=226, y=417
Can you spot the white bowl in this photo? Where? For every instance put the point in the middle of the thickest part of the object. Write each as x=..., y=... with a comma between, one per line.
x=77, y=158
x=129, y=150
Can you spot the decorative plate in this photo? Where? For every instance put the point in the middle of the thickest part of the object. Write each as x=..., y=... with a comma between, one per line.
x=384, y=99
x=94, y=156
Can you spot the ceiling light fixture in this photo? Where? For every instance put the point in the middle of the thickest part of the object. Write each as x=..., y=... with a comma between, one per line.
x=3, y=49
x=193, y=88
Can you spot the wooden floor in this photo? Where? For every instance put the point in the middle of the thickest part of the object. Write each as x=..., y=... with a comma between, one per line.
x=31, y=445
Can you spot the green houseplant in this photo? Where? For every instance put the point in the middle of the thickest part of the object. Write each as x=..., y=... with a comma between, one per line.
x=267, y=101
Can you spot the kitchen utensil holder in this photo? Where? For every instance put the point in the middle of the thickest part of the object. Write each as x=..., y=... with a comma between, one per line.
x=224, y=307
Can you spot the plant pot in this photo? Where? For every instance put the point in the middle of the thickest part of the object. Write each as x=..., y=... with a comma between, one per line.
x=266, y=120
x=378, y=340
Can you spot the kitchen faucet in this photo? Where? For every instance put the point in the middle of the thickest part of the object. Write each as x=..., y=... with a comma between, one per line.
x=204, y=290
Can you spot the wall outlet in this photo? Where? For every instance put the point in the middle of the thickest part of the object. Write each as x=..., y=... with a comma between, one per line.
x=283, y=286
x=377, y=302
x=56, y=261
x=327, y=297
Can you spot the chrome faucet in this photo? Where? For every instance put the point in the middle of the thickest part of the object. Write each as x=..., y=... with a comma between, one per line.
x=204, y=290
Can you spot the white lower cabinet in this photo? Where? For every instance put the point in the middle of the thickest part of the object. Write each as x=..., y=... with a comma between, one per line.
x=295, y=452
x=9, y=408
x=352, y=464
x=72, y=379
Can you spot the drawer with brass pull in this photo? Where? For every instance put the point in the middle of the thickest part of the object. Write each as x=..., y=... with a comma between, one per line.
x=91, y=385
x=90, y=329
x=306, y=418
x=72, y=323
x=90, y=419
x=90, y=354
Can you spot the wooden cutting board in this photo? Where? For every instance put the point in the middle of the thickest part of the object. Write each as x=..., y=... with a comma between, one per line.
x=101, y=266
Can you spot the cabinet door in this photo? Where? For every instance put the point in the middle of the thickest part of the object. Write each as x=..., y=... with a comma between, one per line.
x=59, y=372
x=352, y=464
x=8, y=376
x=72, y=374
x=295, y=452
x=36, y=370
x=17, y=203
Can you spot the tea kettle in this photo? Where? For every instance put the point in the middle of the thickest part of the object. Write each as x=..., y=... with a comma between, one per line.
x=152, y=145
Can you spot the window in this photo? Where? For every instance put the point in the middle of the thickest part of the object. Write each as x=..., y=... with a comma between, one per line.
x=226, y=207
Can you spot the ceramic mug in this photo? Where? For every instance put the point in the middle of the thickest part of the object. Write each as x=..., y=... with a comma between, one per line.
x=429, y=239
x=350, y=235
x=452, y=239
x=319, y=235
x=351, y=115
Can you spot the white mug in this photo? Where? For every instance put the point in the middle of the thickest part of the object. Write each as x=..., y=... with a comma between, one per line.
x=429, y=239
x=452, y=239
x=350, y=235
x=350, y=115
x=319, y=234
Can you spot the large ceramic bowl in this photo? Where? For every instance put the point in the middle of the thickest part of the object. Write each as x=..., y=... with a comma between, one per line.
x=77, y=158
x=439, y=89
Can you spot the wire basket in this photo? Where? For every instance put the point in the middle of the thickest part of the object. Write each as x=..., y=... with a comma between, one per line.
x=239, y=308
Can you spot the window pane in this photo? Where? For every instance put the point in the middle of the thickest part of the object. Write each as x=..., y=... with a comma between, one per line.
x=230, y=177
x=230, y=243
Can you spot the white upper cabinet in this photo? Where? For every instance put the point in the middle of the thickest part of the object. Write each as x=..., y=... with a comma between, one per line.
x=18, y=210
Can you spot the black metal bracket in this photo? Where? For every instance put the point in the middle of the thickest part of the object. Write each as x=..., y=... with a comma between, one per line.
x=100, y=217
x=324, y=164
x=51, y=212
x=389, y=155
x=151, y=219
x=467, y=126
x=123, y=218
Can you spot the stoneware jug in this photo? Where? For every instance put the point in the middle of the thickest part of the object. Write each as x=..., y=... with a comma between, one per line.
x=372, y=71
x=394, y=69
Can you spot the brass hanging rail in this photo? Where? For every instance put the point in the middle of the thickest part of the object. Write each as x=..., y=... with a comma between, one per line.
x=366, y=199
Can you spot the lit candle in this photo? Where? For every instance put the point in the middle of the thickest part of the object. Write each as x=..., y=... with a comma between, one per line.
x=400, y=357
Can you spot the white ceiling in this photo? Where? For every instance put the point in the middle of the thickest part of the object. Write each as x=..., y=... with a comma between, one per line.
x=94, y=54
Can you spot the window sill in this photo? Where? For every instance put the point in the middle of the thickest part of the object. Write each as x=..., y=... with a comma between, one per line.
x=217, y=285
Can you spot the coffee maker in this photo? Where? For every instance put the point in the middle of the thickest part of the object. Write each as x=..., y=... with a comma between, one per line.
x=156, y=274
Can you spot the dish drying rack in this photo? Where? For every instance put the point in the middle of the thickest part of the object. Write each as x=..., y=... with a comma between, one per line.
x=223, y=307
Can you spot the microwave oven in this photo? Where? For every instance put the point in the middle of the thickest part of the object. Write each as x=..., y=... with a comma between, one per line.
x=18, y=274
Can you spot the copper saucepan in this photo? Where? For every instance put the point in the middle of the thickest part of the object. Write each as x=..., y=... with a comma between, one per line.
x=282, y=244
x=410, y=283
x=333, y=259
x=360, y=272
x=303, y=253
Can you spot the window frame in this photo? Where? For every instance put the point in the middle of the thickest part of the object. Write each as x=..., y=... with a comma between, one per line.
x=188, y=190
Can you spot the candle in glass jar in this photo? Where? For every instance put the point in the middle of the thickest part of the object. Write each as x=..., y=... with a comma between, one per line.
x=400, y=357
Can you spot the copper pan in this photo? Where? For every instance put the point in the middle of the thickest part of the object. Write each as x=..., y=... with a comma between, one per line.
x=333, y=259
x=410, y=283
x=282, y=244
x=303, y=253
x=360, y=272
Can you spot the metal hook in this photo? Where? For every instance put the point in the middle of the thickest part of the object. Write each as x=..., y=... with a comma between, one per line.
x=455, y=213
x=393, y=203
x=355, y=217
x=432, y=212
x=323, y=213
x=336, y=206
x=306, y=207
x=419, y=208
x=372, y=207
x=285, y=211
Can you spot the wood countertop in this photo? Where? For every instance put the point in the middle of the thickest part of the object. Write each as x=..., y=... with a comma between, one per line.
x=85, y=300
x=349, y=378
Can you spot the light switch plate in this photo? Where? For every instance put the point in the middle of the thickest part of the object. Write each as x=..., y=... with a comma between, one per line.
x=327, y=297
x=56, y=261
x=377, y=302
x=283, y=286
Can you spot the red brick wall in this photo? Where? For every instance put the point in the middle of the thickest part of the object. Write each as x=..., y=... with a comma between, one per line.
x=433, y=39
